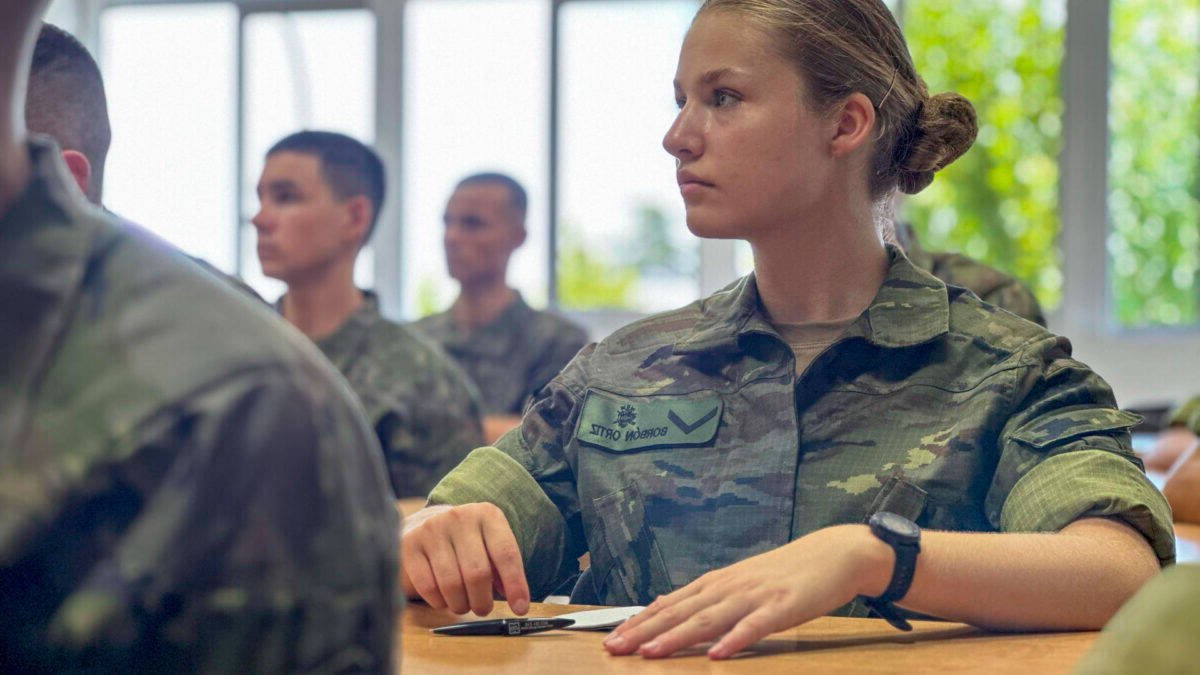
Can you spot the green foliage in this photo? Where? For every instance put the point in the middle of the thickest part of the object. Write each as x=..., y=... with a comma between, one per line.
x=1154, y=197
x=999, y=202
x=657, y=250
x=586, y=280
x=429, y=299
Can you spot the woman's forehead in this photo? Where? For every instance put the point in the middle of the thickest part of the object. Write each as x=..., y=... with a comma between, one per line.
x=724, y=42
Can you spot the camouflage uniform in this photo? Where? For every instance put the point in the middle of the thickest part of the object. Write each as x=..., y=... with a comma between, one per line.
x=184, y=484
x=1155, y=632
x=511, y=358
x=1188, y=415
x=424, y=410
x=990, y=284
x=686, y=442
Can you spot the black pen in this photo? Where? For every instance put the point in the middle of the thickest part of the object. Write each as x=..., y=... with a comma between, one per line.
x=507, y=627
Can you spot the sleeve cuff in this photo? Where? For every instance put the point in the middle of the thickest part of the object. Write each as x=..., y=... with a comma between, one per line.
x=490, y=475
x=1090, y=483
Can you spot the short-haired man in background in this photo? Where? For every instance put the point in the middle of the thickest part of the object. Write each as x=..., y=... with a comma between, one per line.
x=320, y=195
x=65, y=100
x=185, y=485
x=509, y=349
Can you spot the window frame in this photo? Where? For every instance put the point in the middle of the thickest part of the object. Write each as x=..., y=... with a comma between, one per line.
x=1133, y=355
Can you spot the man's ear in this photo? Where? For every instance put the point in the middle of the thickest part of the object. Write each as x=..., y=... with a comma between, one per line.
x=855, y=124
x=519, y=236
x=361, y=211
x=80, y=168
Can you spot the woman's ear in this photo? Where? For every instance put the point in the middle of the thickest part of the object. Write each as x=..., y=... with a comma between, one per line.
x=855, y=124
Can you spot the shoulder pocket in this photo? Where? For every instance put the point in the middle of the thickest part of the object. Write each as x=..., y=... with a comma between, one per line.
x=626, y=424
x=1064, y=425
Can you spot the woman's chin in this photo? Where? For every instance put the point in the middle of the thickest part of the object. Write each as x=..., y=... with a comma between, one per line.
x=708, y=227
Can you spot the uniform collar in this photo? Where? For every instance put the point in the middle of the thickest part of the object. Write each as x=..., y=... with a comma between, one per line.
x=46, y=238
x=910, y=308
x=490, y=339
x=349, y=336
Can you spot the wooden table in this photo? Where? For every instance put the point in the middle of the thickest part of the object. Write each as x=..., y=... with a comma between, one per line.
x=825, y=645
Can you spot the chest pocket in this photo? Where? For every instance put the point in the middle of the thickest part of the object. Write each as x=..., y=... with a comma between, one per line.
x=632, y=424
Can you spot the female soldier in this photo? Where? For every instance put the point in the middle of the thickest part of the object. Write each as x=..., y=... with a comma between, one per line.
x=727, y=454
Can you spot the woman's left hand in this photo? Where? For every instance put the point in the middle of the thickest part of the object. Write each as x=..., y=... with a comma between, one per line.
x=770, y=592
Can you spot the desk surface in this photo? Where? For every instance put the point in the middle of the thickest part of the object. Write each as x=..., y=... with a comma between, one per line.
x=826, y=645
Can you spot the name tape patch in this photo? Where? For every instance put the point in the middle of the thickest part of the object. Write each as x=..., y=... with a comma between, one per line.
x=623, y=424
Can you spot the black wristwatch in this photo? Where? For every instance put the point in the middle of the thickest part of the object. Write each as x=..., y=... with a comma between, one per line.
x=904, y=537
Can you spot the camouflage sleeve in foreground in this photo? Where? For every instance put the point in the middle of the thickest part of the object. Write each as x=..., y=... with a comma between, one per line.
x=435, y=429
x=269, y=545
x=1188, y=415
x=1065, y=454
x=1155, y=632
x=541, y=502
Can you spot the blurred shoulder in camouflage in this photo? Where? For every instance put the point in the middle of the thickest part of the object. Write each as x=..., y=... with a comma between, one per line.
x=1155, y=632
x=990, y=284
x=424, y=409
x=186, y=485
x=1187, y=415
x=686, y=441
x=511, y=358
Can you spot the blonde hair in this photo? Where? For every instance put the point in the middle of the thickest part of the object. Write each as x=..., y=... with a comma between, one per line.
x=848, y=46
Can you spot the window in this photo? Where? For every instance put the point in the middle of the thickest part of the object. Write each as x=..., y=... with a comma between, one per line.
x=1154, y=156
x=476, y=98
x=622, y=241
x=999, y=202
x=172, y=165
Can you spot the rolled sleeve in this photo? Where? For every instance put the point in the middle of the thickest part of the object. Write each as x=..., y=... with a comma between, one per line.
x=1090, y=483
x=490, y=475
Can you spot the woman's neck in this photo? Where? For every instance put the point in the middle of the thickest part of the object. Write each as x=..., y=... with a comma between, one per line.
x=824, y=269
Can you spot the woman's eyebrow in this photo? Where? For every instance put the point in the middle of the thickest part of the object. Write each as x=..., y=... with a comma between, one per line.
x=711, y=76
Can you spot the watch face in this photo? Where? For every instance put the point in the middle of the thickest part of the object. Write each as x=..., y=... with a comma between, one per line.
x=898, y=525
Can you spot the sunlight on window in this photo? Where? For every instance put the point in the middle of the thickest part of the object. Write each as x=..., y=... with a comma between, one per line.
x=999, y=202
x=172, y=164
x=1154, y=163
x=475, y=99
x=623, y=243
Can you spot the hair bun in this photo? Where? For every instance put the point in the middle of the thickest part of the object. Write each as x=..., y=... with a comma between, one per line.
x=946, y=126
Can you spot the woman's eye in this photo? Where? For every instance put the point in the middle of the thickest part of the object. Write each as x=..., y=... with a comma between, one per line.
x=722, y=98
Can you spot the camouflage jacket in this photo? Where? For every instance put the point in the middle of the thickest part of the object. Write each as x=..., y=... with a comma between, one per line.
x=1188, y=415
x=1155, y=632
x=185, y=484
x=990, y=284
x=686, y=441
x=511, y=358
x=424, y=409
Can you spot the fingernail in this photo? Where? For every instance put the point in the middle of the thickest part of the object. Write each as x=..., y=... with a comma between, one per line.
x=648, y=648
x=615, y=641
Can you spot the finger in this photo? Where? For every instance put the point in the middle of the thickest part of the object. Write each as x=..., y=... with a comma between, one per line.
x=506, y=560
x=660, y=603
x=671, y=614
x=752, y=628
x=418, y=576
x=703, y=626
x=444, y=563
x=475, y=569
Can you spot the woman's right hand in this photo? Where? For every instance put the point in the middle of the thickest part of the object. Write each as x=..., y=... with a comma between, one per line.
x=453, y=556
